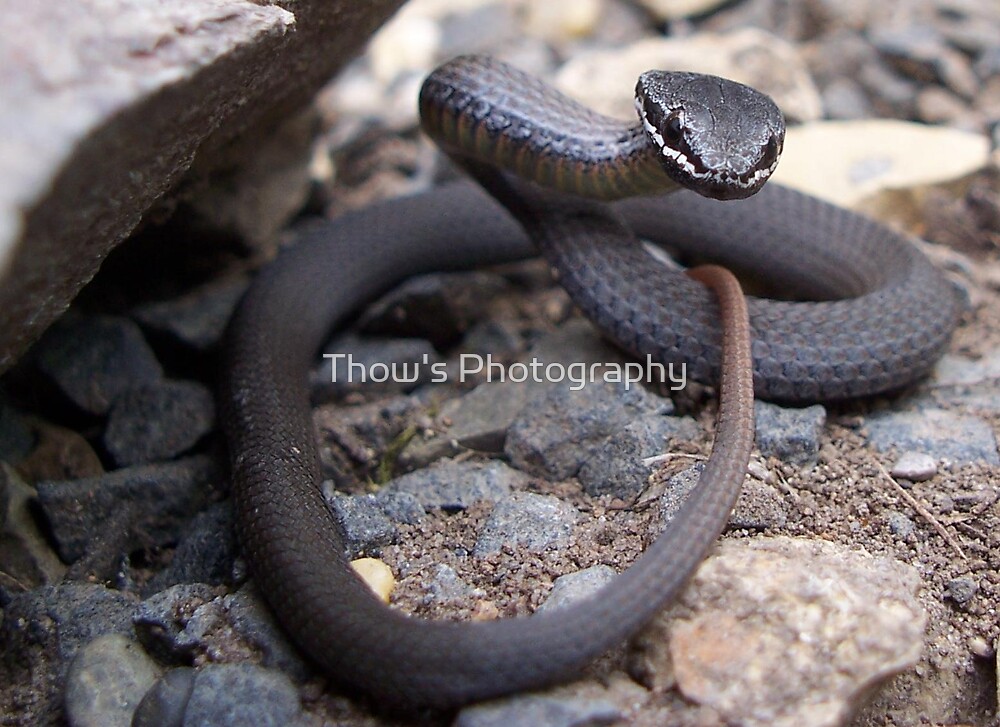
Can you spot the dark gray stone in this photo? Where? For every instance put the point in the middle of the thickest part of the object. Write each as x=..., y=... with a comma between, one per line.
x=158, y=421
x=94, y=360
x=161, y=621
x=618, y=465
x=452, y=486
x=759, y=506
x=161, y=498
x=791, y=435
x=44, y=629
x=526, y=520
x=198, y=318
x=242, y=694
x=373, y=366
x=439, y=307
x=251, y=618
x=16, y=437
x=573, y=587
x=478, y=420
x=844, y=99
x=363, y=522
x=165, y=703
x=940, y=434
x=562, y=430
x=106, y=682
x=540, y=711
x=206, y=551
x=961, y=590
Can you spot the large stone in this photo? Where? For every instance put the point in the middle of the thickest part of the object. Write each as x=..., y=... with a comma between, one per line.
x=106, y=106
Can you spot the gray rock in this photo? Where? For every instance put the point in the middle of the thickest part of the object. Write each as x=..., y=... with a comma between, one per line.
x=961, y=590
x=251, y=618
x=451, y=486
x=165, y=703
x=243, y=694
x=106, y=681
x=540, y=711
x=26, y=556
x=914, y=466
x=373, y=365
x=556, y=436
x=940, y=434
x=759, y=507
x=162, y=497
x=16, y=437
x=401, y=507
x=205, y=553
x=478, y=420
x=578, y=586
x=95, y=360
x=618, y=465
x=161, y=620
x=900, y=525
x=527, y=520
x=158, y=421
x=492, y=337
x=44, y=629
x=137, y=98
x=363, y=522
x=919, y=51
x=445, y=586
x=198, y=318
x=439, y=307
x=845, y=99
x=791, y=435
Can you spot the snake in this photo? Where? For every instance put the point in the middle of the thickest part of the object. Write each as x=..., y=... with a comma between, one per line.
x=862, y=312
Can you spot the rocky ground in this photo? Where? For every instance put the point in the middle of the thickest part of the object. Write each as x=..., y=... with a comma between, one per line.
x=857, y=581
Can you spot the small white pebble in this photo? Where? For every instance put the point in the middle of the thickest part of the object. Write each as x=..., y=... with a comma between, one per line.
x=377, y=575
x=914, y=466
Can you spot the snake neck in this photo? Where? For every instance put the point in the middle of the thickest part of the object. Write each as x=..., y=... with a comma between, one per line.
x=482, y=109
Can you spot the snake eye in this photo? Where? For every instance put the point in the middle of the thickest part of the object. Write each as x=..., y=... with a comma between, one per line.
x=672, y=129
x=770, y=152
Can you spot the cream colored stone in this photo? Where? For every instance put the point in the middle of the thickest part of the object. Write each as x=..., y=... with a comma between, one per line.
x=377, y=575
x=605, y=79
x=676, y=9
x=860, y=164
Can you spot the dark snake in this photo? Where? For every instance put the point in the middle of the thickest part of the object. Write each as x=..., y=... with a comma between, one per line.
x=879, y=317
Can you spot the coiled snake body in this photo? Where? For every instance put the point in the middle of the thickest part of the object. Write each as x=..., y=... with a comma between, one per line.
x=885, y=316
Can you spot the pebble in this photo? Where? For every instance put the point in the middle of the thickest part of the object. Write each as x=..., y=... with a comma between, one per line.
x=540, y=711
x=914, y=466
x=26, y=557
x=197, y=319
x=675, y=9
x=161, y=621
x=376, y=575
x=619, y=465
x=564, y=427
x=900, y=525
x=439, y=307
x=242, y=694
x=445, y=586
x=253, y=620
x=478, y=420
x=158, y=421
x=365, y=526
x=452, y=485
x=161, y=498
x=578, y=586
x=831, y=616
x=206, y=552
x=961, y=590
x=94, y=360
x=164, y=704
x=106, y=682
x=527, y=520
x=400, y=507
x=791, y=435
x=940, y=434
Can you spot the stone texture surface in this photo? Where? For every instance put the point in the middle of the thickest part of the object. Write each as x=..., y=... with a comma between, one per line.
x=106, y=106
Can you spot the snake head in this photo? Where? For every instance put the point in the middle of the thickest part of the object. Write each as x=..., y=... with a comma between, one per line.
x=718, y=137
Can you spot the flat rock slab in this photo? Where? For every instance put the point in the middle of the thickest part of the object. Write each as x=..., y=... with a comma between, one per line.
x=105, y=106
